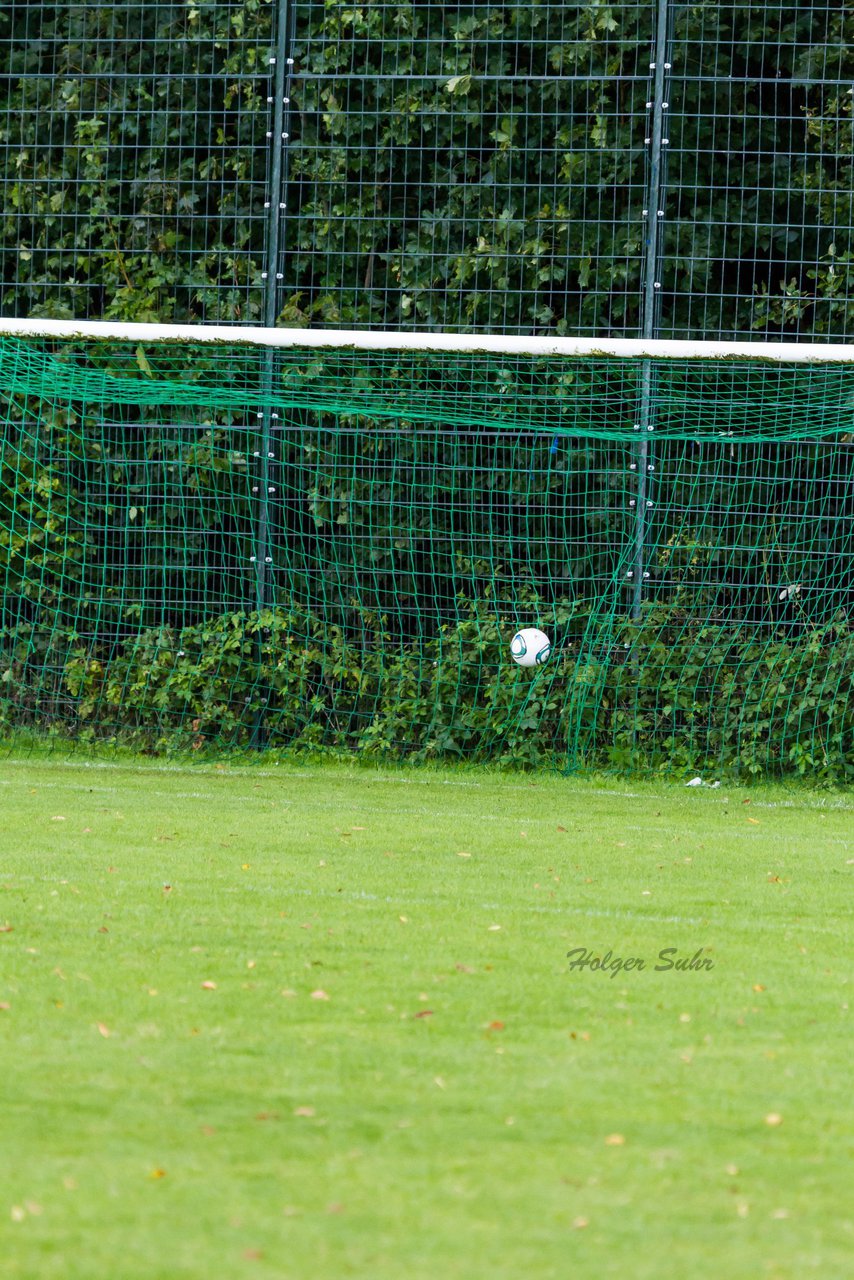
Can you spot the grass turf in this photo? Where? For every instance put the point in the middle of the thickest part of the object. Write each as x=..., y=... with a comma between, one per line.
x=320, y=1022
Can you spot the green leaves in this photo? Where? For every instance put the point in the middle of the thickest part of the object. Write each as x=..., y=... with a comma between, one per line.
x=458, y=85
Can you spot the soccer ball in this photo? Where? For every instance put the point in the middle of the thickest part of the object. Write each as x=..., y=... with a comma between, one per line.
x=530, y=647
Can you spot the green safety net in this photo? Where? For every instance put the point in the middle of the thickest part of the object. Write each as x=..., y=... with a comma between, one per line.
x=221, y=546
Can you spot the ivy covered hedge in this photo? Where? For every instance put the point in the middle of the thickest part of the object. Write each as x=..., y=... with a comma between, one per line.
x=662, y=694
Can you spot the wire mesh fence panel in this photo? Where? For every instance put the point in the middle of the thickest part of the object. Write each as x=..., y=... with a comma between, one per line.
x=135, y=146
x=632, y=168
x=469, y=167
x=758, y=206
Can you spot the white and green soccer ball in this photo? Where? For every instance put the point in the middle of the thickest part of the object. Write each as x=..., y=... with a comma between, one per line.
x=530, y=647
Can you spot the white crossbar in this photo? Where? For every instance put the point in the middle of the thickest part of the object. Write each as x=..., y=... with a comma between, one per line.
x=376, y=340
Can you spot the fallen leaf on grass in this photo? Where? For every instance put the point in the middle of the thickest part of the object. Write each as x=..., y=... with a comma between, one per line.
x=17, y=1213
x=773, y=1119
x=59, y=818
x=495, y=1026
x=755, y=822
x=615, y=1140
x=580, y=1223
x=7, y=928
x=494, y=928
x=319, y=995
x=4, y=1005
x=304, y=1111
x=209, y=986
x=104, y=1030
x=561, y=828
x=463, y=854
x=757, y=986
x=423, y=1013
x=157, y=1173
x=253, y=1255
x=335, y=1208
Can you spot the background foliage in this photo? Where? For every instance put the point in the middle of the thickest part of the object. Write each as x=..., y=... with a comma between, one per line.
x=479, y=168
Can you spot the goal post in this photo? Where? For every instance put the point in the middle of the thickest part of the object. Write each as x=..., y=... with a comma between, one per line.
x=335, y=534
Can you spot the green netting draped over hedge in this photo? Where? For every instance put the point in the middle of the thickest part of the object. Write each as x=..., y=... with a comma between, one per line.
x=227, y=545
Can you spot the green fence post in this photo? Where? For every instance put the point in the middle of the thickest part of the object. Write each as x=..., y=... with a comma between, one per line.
x=275, y=206
x=656, y=143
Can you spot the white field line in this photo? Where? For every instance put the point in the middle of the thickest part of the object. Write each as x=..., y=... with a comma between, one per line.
x=597, y=913
x=252, y=771
x=538, y=908
x=575, y=788
x=421, y=811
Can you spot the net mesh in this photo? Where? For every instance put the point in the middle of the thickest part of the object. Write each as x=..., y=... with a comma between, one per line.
x=225, y=545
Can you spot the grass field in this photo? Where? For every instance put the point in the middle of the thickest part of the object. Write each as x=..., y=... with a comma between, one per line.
x=320, y=1022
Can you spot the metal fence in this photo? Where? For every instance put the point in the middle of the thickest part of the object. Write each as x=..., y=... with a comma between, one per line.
x=651, y=169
